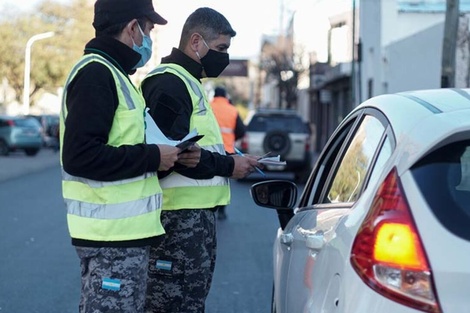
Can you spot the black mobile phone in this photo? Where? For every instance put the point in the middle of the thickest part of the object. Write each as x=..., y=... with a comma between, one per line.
x=184, y=145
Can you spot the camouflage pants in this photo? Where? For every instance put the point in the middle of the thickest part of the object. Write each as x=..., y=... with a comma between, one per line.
x=181, y=267
x=113, y=279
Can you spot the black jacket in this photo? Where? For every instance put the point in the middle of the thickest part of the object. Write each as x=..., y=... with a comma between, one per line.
x=170, y=106
x=91, y=103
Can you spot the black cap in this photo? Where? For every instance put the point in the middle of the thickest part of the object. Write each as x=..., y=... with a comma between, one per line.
x=220, y=92
x=112, y=12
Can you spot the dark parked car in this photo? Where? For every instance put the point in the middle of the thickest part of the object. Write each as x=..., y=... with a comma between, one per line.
x=280, y=132
x=50, y=129
x=19, y=133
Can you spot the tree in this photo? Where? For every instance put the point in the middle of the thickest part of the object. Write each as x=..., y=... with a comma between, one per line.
x=52, y=58
x=282, y=61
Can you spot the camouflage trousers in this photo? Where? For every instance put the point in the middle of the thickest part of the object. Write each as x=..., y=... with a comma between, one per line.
x=182, y=266
x=113, y=279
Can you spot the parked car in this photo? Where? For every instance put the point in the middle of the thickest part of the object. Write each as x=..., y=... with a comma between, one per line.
x=382, y=224
x=279, y=132
x=19, y=133
x=50, y=129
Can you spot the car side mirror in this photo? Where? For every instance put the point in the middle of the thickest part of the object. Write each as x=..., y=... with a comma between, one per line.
x=276, y=194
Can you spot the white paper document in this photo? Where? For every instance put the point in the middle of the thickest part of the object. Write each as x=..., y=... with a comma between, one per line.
x=153, y=134
x=275, y=160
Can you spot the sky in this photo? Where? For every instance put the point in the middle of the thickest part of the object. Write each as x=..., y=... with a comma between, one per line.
x=249, y=21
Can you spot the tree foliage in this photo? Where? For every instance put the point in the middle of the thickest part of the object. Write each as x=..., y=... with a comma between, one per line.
x=51, y=58
x=284, y=65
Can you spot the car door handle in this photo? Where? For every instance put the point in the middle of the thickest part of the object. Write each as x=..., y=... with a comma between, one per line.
x=314, y=241
x=287, y=239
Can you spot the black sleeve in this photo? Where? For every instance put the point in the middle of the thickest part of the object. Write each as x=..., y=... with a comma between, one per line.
x=171, y=107
x=91, y=104
x=169, y=103
x=240, y=128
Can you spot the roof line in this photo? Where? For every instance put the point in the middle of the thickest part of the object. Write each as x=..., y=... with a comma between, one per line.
x=424, y=103
x=461, y=92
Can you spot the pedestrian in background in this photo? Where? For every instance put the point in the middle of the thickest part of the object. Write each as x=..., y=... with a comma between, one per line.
x=109, y=183
x=231, y=127
x=181, y=267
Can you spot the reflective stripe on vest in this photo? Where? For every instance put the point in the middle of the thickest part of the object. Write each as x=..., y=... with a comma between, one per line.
x=127, y=209
x=180, y=192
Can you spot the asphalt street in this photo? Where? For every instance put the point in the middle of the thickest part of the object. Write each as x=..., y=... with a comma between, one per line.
x=39, y=268
x=18, y=163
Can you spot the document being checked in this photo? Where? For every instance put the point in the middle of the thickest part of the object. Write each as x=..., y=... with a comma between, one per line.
x=154, y=135
x=274, y=160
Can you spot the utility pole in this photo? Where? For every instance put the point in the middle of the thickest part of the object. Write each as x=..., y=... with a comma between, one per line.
x=27, y=67
x=353, y=58
x=449, y=44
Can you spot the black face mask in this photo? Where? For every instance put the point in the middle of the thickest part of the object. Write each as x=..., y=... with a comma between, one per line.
x=214, y=63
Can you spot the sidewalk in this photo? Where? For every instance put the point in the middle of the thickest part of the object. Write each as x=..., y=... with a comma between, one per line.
x=18, y=163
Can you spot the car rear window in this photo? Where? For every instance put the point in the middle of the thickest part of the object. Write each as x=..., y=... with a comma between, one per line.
x=444, y=179
x=25, y=122
x=262, y=123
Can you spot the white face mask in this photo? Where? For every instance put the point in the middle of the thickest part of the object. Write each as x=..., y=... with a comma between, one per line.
x=145, y=50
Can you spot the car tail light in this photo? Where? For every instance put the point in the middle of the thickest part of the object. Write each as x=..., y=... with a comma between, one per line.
x=244, y=143
x=388, y=254
x=307, y=144
x=11, y=123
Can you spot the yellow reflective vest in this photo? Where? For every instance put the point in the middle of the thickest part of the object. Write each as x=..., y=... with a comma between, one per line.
x=122, y=210
x=181, y=192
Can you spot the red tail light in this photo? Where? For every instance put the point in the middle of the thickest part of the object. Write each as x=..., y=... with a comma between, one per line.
x=388, y=254
x=307, y=144
x=244, y=143
x=11, y=123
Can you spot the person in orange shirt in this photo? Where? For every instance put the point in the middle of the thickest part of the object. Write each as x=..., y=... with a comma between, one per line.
x=231, y=126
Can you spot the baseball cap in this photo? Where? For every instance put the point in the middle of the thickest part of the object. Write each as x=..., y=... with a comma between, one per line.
x=111, y=12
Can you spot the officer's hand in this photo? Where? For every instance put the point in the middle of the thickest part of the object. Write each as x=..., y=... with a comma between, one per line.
x=244, y=165
x=191, y=156
x=168, y=157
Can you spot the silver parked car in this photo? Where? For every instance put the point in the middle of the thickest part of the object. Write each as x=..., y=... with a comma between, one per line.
x=20, y=133
x=383, y=223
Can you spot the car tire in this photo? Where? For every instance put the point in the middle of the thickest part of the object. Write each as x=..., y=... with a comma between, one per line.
x=277, y=142
x=4, y=148
x=301, y=177
x=31, y=152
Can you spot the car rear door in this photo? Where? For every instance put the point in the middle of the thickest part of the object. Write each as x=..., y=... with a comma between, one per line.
x=345, y=168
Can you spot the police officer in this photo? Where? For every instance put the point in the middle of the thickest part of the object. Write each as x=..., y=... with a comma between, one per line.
x=181, y=267
x=110, y=185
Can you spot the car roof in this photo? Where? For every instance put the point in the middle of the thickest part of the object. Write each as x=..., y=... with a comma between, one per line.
x=423, y=120
x=271, y=113
x=14, y=117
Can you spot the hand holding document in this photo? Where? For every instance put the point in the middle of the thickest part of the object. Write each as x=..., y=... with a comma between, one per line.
x=153, y=135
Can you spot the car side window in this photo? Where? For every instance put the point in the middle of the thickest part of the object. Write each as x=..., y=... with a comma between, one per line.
x=384, y=155
x=351, y=172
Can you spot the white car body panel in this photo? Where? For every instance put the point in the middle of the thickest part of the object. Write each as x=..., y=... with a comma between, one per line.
x=313, y=276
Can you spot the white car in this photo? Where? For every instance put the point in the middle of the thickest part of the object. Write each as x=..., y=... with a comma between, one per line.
x=383, y=223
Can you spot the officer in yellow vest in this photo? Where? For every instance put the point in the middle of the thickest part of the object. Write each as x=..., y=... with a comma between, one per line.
x=109, y=175
x=181, y=267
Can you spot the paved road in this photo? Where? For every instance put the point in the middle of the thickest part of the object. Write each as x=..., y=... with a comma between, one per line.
x=40, y=271
x=18, y=164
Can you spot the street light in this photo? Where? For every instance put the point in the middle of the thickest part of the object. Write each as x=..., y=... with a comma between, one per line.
x=27, y=67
